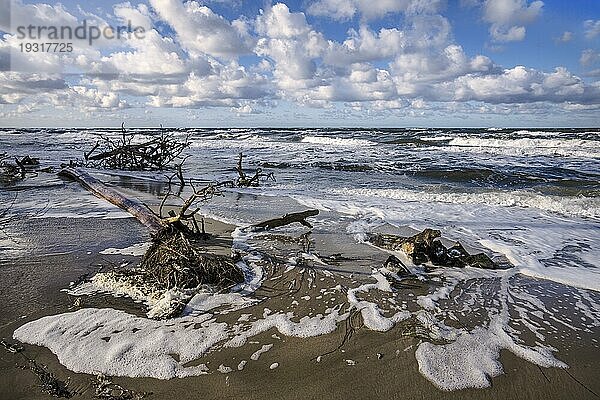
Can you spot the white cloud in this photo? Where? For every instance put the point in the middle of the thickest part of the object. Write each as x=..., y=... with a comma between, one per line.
x=368, y=9
x=226, y=86
x=592, y=28
x=366, y=45
x=139, y=15
x=589, y=57
x=411, y=68
x=33, y=14
x=292, y=45
x=153, y=55
x=199, y=29
x=522, y=85
x=509, y=17
x=15, y=86
x=30, y=91
x=566, y=37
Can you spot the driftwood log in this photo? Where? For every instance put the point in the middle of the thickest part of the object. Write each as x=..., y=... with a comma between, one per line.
x=299, y=217
x=123, y=153
x=99, y=189
x=177, y=257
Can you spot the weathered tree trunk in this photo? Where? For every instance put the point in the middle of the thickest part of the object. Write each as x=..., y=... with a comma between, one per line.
x=99, y=189
x=287, y=219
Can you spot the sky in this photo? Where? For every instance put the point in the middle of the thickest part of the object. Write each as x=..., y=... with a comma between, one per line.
x=306, y=63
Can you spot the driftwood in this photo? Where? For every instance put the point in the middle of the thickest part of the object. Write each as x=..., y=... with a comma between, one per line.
x=426, y=247
x=99, y=189
x=154, y=154
x=176, y=259
x=299, y=217
x=244, y=180
x=11, y=173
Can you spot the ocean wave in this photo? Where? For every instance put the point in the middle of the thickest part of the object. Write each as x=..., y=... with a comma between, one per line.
x=436, y=138
x=334, y=141
x=569, y=206
x=528, y=146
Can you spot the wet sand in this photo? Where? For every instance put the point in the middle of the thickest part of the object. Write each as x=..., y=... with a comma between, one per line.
x=57, y=251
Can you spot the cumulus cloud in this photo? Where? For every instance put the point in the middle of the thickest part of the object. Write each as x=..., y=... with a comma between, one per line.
x=291, y=43
x=32, y=90
x=589, y=57
x=196, y=61
x=227, y=86
x=199, y=29
x=15, y=86
x=566, y=37
x=592, y=28
x=522, y=85
x=368, y=9
x=509, y=17
x=366, y=45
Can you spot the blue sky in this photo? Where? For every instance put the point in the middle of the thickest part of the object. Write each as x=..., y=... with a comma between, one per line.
x=310, y=63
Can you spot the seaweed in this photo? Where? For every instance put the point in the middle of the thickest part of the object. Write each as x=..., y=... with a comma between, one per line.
x=49, y=383
x=105, y=388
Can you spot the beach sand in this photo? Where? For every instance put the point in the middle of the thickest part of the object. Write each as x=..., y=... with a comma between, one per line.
x=369, y=364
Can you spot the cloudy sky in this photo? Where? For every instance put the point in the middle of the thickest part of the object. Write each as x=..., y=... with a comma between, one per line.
x=308, y=63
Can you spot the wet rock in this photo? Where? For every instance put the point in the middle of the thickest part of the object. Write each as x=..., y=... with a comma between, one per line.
x=456, y=256
x=394, y=264
x=390, y=242
x=427, y=247
x=482, y=261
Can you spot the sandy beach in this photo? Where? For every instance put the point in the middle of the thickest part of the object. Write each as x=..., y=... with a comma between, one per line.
x=351, y=362
x=299, y=199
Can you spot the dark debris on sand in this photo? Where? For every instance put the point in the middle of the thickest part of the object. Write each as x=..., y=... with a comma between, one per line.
x=176, y=260
x=427, y=247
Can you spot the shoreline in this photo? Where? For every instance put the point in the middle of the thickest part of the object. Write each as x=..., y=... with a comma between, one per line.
x=331, y=303
x=395, y=373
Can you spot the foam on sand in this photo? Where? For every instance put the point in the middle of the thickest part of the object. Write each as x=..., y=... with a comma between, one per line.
x=85, y=341
x=371, y=313
x=119, y=344
x=473, y=358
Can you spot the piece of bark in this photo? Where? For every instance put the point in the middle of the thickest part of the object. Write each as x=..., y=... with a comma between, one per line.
x=99, y=189
x=299, y=217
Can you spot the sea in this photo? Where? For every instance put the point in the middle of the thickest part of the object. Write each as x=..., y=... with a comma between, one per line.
x=532, y=195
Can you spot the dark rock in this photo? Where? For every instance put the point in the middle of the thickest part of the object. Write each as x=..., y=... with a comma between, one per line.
x=481, y=260
x=456, y=256
x=438, y=253
x=391, y=242
x=394, y=264
x=419, y=253
x=427, y=247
